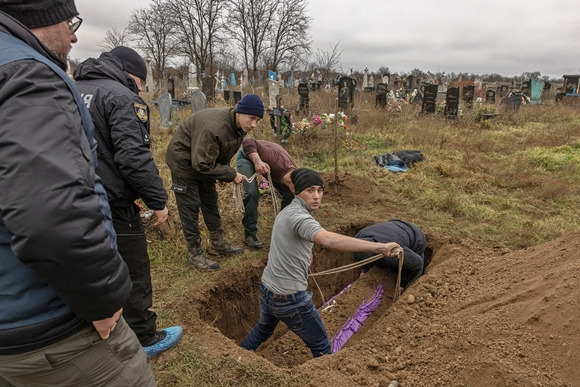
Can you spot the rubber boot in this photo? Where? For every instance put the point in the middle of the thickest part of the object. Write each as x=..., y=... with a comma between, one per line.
x=198, y=260
x=220, y=246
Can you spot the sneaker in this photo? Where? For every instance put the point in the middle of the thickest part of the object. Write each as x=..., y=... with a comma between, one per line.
x=253, y=242
x=201, y=262
x=163, y=340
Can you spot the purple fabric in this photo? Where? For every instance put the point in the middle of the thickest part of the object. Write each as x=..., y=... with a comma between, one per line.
x=336, y=295
x=354, y=323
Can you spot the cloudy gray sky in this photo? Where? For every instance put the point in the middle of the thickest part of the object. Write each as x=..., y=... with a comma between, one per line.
x=507, y=37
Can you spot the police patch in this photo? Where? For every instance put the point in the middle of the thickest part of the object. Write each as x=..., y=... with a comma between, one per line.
x=141, y=111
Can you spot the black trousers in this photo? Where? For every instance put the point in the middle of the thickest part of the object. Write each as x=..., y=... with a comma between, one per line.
x=132, y=245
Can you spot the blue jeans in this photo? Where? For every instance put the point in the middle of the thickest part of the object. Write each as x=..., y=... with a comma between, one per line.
x=251, y=194
x=298, y=313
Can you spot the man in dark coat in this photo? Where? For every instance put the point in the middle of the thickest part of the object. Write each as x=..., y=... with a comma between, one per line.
x=110, y=87
x=408, y=236
x=63, y=283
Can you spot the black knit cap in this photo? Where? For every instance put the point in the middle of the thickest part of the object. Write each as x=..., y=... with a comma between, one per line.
x=303, y=178
x=131, y=60
x=39, y=13
x=250, y=104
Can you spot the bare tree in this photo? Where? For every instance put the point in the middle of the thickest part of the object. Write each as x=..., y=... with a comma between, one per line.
x=289, y=34
x=197, y=25
x=250, y=25
x=154, y=34
x=327, y=61
x=114, y=38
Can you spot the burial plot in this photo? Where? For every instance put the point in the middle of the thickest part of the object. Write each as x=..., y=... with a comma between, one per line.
x=346, y=93
x=198, y=101
x=490, y=96
x=452, y=102
x=304, y=103
x=164, y=102
x=429, y=104
x=208, y=87
x=381, y=96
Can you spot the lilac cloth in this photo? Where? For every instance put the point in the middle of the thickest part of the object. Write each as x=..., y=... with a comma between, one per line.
x=354, y=323
x=336, y=295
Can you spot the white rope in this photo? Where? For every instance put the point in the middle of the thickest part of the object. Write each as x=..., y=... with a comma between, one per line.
x=239, y=193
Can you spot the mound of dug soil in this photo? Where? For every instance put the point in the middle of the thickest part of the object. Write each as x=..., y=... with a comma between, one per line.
x=479, y=316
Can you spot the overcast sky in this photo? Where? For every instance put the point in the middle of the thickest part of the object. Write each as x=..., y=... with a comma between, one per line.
x=506, y=37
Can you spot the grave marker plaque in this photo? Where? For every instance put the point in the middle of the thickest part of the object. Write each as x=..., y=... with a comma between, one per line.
x=468, y=92
x=452, y=102
x=429, y=99
x=164, y=101
x=513, y=101
x=273, y=92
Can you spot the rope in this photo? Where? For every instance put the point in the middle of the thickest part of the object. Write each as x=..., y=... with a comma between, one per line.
x=400, y=256
x=239, y=193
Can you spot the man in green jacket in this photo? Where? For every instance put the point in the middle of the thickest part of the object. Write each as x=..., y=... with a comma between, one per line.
x=199, y=154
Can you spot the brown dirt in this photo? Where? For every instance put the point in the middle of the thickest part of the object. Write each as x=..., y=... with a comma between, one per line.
x=479, y=316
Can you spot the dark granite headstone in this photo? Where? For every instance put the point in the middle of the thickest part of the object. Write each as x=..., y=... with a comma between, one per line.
x=513, y=101
x=208, y=87
x=429, y=99
x=381, y=96
x=452, y=102
x=237, y=96
x=303, y=92
x=490, y=96
x=346, y=88
x=468, y=92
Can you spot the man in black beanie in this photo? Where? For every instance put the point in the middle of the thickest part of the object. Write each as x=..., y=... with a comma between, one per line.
x=110, y=87
x=283, y=295
x=200, y=153
x=64, y=283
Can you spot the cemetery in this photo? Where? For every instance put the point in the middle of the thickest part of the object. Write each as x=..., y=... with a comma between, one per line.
x=488, y=300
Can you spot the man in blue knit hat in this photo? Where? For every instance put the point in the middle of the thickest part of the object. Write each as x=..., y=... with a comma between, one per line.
x=200, y=153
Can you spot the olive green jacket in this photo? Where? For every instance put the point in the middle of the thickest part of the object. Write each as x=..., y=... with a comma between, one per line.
x=204, y=144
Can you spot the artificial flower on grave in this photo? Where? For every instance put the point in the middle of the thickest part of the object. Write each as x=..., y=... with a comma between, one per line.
x=263, y=186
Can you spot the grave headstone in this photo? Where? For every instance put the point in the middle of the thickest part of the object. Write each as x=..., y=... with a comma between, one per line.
x=208, y=87
x=381, y=96
x=365, y=83
x=273, y=92
x=386, y=79
x=513, y=101
x=468, y=92
x=429, y=99
x=304, y=103
x=490, y=96
x=150, y=83
x=371, y=81
x=409, y=83
x=346, y=92
x=171, y=86
x=452, y=102
x=192, y=76
x=164, y=101
x=237, y=96
x=198, y=101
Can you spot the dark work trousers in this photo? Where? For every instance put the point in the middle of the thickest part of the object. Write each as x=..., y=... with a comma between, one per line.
x=132, y=245
x=192, y=195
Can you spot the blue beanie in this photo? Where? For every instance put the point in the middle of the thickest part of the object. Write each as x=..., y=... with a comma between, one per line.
x=250, y=104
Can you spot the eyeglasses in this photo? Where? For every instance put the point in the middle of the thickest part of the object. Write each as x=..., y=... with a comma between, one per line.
x=74, y=25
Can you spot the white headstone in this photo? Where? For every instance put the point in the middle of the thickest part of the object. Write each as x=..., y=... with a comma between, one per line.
x=149, y=82
x=371, y=81
x=192, y=76
x=273, y=91
x=365, y=79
